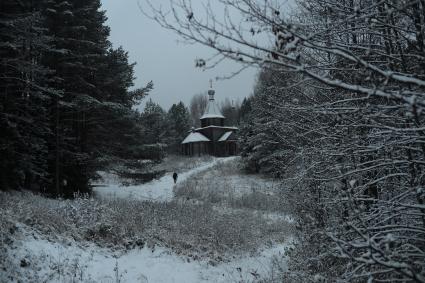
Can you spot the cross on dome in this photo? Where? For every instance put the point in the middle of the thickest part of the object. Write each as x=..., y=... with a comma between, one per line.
x=211, y=92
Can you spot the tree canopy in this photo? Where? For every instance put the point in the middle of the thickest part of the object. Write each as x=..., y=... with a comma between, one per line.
x=66, y=104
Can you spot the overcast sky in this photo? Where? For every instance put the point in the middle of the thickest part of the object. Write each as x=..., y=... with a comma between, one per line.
x=169, y=64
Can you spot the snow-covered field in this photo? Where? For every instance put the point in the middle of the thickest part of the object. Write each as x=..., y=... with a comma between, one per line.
x=156, y=190
x=51, y=261
x=230, y=240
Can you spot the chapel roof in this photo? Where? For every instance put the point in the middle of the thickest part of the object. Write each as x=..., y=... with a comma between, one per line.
x=225, y=136
x=212, y=110
x=218, y=127
x=195, y=137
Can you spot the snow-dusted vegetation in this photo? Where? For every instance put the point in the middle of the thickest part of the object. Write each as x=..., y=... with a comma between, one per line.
x=56, y=239
x=329, y=185
x=225, y=186
x=337, y=116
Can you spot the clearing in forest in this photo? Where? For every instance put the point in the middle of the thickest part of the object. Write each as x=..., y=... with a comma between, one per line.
x=219, y=225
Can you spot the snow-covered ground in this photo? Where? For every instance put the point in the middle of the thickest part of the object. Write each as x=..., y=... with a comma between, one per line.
x=51, y=261
x=40, y=257
x=156, y=190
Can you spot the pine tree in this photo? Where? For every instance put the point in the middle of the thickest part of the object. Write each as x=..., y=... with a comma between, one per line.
x=23, y=96
x=116, y=130
x=245, y=109
x=66, y=104
x=154, y=121
x=78, y=55
x=179, y=122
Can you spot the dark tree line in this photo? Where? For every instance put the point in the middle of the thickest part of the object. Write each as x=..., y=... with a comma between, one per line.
x=166, y=129
x=65, y=104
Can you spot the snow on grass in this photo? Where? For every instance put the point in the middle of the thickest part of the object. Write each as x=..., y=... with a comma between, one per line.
x=191, y=230
x=51, y=261
x=121, y=237
x=226, y=185
x=157, y=190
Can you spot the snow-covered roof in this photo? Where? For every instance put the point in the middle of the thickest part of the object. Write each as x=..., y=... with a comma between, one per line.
x=220, y=127
x=195, y=137
x=206, y=116
x=212, y=110
x=225, y=136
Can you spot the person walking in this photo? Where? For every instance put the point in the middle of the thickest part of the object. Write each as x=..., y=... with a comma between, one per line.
x=175, y=177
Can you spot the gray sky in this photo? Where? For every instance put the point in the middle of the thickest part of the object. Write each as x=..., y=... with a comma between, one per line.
x=169, y=64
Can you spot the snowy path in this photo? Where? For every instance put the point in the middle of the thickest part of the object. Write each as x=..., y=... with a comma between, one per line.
x=156, y=190
x=53, y=262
